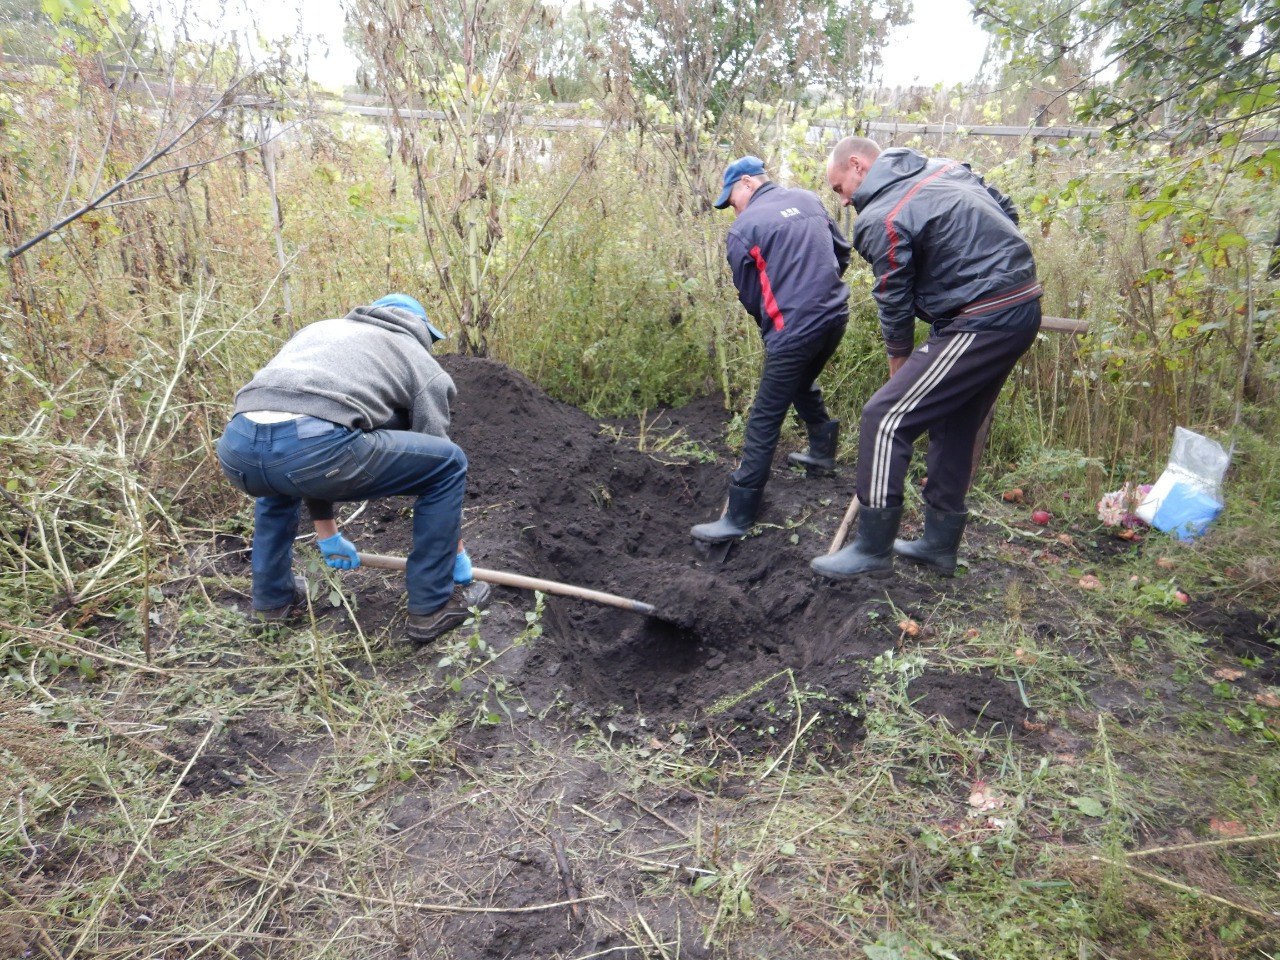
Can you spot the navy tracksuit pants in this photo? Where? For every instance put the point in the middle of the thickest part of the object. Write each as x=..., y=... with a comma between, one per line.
x=789, y=379
x=947, y=387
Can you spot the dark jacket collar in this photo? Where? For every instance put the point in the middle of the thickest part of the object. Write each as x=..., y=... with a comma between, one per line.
x=893, y=165
x=763, y=188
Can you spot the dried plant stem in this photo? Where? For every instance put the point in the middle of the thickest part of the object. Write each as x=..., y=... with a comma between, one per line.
x=137, y=847
x=1194, y=891
x=1222, y=842
x=45, y=636
x=407, y=904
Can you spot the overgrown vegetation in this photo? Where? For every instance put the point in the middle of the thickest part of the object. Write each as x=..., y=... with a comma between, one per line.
x=209, y=210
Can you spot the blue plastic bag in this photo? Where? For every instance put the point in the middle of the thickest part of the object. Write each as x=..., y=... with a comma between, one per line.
x=1185, y=512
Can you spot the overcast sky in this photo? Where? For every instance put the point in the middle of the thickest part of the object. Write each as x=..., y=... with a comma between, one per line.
x=942, y=45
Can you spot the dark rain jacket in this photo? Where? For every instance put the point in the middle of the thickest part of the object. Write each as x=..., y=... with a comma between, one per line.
x=943, y=245
x=787, y=257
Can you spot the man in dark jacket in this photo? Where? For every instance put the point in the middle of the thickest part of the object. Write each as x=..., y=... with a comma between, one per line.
x=787, y=257
x=944, y=247
x=352, y=409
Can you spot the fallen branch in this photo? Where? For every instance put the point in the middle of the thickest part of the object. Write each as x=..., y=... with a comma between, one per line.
x=566, y=875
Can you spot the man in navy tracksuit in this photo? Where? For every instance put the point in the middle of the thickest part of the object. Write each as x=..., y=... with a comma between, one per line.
x=787, y=257
x=945, y=247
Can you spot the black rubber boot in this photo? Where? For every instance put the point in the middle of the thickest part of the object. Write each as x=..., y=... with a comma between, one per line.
x=820, y=459
x=870, y=554
x=941, y=541
x=744, y=505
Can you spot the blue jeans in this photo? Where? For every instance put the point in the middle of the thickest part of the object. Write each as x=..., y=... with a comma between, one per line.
x=788, y=380
x=281, y=463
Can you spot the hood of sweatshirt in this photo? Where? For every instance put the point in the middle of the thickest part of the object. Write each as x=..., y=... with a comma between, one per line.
x=394, y=319
x=894, y=164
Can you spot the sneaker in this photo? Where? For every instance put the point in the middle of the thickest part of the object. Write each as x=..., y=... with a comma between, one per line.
x=426, y=627
x=295, y=606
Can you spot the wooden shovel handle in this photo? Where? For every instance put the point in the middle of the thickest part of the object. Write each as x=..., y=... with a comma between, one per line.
x=849, y=516
x=380, y=562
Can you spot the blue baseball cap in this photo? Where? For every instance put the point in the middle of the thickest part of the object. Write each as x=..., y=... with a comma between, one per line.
x=742, y=167
x=406, y=302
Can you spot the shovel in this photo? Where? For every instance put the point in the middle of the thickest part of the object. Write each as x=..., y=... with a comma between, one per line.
x=503, y=579
x=849, y=516
x=718, y=551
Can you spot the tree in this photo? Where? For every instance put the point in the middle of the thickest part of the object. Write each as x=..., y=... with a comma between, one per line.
x=1192, y=68
x=459, y=77
x=704, y=59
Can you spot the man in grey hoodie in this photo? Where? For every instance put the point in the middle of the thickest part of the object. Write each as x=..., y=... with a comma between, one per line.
x=354, y=409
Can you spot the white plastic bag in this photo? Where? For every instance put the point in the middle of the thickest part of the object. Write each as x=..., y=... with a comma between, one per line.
x=1197, y=466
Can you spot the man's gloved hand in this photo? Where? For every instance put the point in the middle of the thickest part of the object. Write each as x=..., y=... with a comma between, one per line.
x=339, y=552
x=462, y=568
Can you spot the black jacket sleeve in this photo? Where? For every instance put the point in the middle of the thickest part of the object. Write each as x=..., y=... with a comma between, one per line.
x=319, y=509
x=746, y=278
x=894, y=270
x=842, y=246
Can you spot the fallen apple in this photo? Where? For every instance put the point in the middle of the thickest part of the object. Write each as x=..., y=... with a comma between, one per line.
x=1041, y=517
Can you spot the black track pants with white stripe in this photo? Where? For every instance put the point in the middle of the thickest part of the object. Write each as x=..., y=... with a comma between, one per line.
x=947, y=386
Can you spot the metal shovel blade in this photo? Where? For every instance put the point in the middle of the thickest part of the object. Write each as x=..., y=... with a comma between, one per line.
x=713, y=552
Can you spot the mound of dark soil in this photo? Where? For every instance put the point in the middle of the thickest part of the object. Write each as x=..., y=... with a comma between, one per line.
x=552, y=495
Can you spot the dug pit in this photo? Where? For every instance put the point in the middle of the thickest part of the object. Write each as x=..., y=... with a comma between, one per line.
x=552, y=494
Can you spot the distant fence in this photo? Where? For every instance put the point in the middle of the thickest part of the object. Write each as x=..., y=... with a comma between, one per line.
x=552, y=117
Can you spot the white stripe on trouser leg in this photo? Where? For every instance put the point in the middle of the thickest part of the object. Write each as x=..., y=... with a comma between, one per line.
x=882, y=451
x=909, y=401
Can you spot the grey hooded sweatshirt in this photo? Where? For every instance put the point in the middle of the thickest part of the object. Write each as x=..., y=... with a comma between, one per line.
x=363, y=371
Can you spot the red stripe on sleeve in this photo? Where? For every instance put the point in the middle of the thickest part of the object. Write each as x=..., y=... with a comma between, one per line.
x=766, y=289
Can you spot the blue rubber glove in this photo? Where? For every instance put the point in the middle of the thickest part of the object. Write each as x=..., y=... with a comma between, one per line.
x=339, y=552
x=462, y=568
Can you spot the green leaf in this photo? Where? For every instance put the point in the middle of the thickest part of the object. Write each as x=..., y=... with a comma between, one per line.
x=704, y=883
x=1089, y=806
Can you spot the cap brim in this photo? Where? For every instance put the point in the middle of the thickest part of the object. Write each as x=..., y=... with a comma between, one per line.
x=724, y=197
x=436, y=332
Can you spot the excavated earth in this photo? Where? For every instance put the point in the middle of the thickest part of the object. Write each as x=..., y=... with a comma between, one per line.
x=555, y=494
